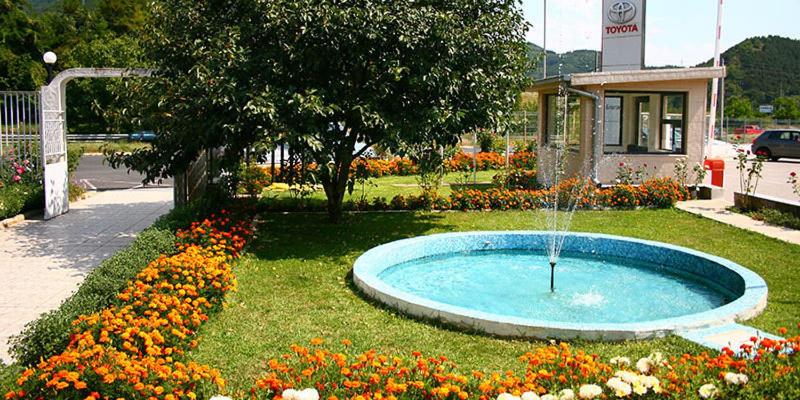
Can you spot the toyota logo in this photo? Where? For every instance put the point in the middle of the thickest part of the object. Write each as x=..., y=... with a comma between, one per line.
x=621, y=12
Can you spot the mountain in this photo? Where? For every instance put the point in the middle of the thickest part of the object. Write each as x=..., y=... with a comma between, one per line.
x=570, y=62
x=762, y=69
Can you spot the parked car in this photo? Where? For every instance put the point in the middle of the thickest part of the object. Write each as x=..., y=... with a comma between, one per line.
x=774, y=144
x=142, y=136
x=748, y=130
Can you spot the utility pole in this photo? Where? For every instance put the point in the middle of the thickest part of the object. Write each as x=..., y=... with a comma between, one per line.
x=722, y=106
x=714, y=84
x=544, y=40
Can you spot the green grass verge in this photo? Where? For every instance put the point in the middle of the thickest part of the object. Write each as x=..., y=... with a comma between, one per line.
x=294, y=285
x=118, y=146
x=386, y=187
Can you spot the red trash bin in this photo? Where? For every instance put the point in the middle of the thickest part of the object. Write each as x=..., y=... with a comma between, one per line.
x=717, y=168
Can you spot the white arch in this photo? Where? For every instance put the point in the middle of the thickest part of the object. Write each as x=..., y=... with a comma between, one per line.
x=54, y=128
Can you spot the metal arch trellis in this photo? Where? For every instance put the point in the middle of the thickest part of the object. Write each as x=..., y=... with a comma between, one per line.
x=53, y=127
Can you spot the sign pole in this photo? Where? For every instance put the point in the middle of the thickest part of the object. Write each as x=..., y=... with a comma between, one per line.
x=544, y=41
x=714, y=84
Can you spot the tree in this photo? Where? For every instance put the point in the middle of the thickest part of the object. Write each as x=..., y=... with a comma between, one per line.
x=20, y=68
x=328, y=76
x=739, y=107
x=786, y=108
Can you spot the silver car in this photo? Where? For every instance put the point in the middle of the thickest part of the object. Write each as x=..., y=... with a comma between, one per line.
x=776, y=143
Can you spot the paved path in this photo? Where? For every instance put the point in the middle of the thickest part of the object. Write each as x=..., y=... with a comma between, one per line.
x=43, y=262
x=717, y=210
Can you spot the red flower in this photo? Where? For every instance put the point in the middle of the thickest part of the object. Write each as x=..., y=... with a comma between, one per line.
x=793, y=174
x=17, y=178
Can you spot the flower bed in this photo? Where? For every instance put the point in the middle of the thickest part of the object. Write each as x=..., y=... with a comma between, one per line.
x=135, y=348
x=654, y=193
x=555, y=372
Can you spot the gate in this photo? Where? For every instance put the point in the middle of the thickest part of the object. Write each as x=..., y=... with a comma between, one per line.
x=20, y=126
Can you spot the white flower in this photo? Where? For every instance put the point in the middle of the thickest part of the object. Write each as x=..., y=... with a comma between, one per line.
x=588, y=392
x=620, y=387
x=736, y=379
x=639, y=388
x=707, y=391
x=651, y=382
x=656, y=357
x=290, y=394
x=566, y=394
x=530, y=396
x=308, y=394
x=549, y=397
x=627, y=376
x=620, y=361
x=644, y=365
x=507, y=396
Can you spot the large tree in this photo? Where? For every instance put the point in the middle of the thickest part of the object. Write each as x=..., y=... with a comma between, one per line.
x=331, y=76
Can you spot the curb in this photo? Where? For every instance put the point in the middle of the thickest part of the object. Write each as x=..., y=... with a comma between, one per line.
x=33, y=214
x=19, y=218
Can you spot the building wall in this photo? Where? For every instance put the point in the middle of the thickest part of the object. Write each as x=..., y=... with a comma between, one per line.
x=659, y=165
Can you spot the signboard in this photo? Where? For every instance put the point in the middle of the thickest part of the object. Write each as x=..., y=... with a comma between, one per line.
x=623, y=35
x=766, y=109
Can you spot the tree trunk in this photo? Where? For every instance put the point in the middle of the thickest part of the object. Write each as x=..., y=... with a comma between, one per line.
x=336, y=186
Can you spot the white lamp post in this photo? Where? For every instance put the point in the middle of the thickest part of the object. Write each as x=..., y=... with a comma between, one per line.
x=49, y=59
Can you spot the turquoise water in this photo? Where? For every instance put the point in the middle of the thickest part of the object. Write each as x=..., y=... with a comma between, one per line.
x=589, y=289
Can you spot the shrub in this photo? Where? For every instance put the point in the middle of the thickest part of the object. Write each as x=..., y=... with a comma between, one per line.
x=523, y=160
x=662, y=193
x=20, y=197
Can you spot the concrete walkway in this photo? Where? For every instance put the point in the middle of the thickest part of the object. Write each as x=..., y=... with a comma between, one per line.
x=717, y=210
x=43, y=262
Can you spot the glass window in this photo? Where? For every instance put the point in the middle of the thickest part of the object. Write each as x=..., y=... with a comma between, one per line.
x=612, y=123
x=645, y=123
x=563, y=118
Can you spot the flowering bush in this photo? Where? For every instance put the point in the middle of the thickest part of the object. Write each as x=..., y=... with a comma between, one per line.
x=135, y=348
x=557, y=371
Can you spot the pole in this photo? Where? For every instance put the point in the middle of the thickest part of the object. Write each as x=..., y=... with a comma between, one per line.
x=722, y=106
x=552, y=273
x=715, y=83
x=544, y=41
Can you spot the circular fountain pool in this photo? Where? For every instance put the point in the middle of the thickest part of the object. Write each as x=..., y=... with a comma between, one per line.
x=606, y=287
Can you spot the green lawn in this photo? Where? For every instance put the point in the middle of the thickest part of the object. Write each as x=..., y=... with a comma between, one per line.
x=123, y=146
x=295, y=285
x=388, y=187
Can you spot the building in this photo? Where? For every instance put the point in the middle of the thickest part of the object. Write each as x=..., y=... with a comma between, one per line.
x=624, y=112
x=651, y=117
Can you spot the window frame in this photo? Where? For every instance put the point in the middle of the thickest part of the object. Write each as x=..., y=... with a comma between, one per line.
x=661, y=94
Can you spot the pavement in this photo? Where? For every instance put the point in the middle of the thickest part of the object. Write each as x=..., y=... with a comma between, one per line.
x=718, y=211
x=43, y=262
x=94, y=174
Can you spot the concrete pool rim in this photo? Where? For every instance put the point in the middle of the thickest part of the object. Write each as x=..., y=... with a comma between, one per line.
x=750, y=288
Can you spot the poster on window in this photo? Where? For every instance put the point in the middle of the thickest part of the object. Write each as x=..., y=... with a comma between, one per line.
x=613, y=122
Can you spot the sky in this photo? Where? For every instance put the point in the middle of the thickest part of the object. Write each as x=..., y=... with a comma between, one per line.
x=678, y=32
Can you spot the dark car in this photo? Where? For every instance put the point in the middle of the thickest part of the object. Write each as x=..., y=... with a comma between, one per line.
x=143, y=136
x=776, y=143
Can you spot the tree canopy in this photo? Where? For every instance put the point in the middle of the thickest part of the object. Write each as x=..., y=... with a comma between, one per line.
x=327, y=76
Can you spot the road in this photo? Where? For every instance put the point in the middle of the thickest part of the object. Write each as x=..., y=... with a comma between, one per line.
x=94, y=174
x=773, y=179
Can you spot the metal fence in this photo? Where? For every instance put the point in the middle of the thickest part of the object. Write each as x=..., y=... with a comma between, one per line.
x=737, y=130
x=524, y=125
x=20, y=125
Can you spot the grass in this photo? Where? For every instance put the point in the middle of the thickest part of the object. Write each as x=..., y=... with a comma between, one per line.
x=295, y=285
x=389, y=187
x=118, y=146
